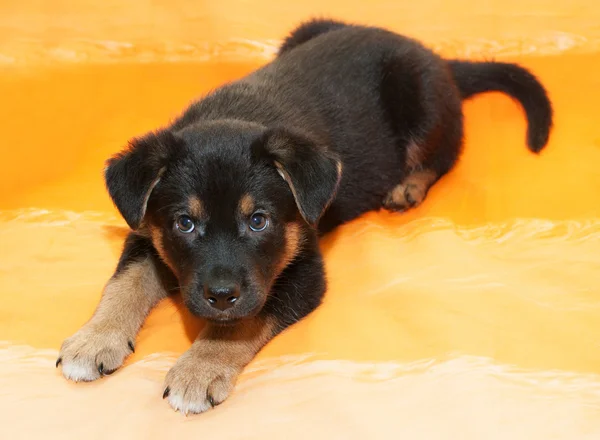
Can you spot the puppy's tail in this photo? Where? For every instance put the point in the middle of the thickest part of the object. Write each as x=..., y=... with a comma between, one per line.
x=515, y=81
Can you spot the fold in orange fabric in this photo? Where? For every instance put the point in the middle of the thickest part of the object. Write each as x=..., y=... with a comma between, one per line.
x=476, y=315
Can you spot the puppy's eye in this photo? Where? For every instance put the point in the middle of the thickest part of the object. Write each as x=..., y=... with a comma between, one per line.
x=185, y=224
x=258, y=222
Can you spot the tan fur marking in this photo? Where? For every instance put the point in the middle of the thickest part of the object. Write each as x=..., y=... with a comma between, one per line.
x=147, y=195
x=412, y=191
x=104, y=341
x=340, y=168
x=293, y=244
x=414, y=155
x=207, y=372
x=235, y=346
x=156, y=235
x=284, y=174
x=246, y=205
x=196, y=207
x=128, y=297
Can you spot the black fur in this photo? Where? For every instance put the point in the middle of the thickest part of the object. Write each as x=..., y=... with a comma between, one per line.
x=313, y=171
x=471, y=78
x=474, y=78
x=138, y=248
x=131, y=174
x=307, y=31
x=372, y=103
x=300, y=288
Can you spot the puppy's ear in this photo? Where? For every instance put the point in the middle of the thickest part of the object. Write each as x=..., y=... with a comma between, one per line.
x=310, y=169
x=132, y=174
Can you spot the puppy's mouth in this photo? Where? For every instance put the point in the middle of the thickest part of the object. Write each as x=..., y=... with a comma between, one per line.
x=224, y=322
x=248, y=306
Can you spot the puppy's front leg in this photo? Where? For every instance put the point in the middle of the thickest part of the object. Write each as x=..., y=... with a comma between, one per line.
x=205, y=374
x=103, y=343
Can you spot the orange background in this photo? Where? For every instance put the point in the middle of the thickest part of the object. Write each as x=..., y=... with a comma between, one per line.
x=474, y=316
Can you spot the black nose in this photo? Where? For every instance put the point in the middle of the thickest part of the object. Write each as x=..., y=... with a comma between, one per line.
x=222, y=296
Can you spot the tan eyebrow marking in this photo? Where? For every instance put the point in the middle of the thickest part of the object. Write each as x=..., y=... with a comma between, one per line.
x=246, y=205
x=196, y=207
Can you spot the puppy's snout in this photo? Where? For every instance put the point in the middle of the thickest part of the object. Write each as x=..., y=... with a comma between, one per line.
x=222, y=295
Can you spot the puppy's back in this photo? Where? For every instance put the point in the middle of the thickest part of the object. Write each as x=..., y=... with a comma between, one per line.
x=332, y=80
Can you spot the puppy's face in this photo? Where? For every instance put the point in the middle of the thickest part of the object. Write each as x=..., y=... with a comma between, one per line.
x=218, y=211
x=226, y=223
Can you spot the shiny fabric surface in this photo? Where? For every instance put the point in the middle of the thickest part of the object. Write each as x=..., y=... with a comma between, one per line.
x=475, y=316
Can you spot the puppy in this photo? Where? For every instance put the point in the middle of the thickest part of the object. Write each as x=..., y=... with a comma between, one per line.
x=226, y=203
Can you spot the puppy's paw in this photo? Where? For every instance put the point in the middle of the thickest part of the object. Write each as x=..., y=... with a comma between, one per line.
x=400, y=198
x=92, y=353
x=411, y=192
x=196, y=384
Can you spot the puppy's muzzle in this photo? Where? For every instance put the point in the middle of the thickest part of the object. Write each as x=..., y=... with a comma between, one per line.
x=222, y=294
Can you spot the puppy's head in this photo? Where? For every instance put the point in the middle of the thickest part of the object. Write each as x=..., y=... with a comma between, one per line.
x=227, y=206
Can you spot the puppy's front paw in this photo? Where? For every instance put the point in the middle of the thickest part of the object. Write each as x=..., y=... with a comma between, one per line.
x=92, y=353
x=196, y=384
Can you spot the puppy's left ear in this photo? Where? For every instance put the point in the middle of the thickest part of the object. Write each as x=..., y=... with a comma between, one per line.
x=310, y=169
x=132, y=174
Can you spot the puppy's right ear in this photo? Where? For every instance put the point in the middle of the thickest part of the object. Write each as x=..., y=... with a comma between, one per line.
x=132, y=174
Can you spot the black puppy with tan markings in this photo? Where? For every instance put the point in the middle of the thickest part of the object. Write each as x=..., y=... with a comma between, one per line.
x=227, y=203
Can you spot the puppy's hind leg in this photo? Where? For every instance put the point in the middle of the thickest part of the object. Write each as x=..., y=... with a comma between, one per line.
x=425, y=166
x=425, y=113
x=421, y=175
x=412, y=191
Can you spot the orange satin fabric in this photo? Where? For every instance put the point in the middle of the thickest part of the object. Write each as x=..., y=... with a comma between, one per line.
x=476, y=315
